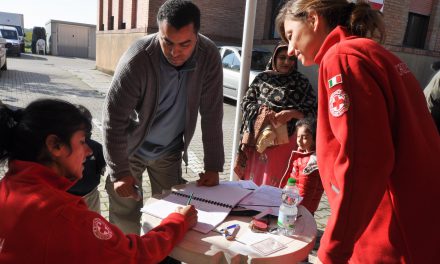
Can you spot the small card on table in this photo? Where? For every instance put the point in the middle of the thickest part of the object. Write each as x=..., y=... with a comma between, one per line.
x=268, y=246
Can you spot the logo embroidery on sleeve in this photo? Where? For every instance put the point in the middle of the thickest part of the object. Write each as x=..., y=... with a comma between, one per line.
x=402, y=68
x=337, y=79
x=101, y=230
x=338, y=103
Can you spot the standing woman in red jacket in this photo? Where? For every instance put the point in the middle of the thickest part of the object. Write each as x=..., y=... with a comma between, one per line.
x=378, y=149
x=45, y=145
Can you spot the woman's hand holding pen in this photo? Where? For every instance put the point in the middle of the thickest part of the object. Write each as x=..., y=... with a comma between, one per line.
x=190, y=214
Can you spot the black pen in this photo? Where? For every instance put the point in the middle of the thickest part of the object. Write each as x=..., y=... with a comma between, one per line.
x=189, y=199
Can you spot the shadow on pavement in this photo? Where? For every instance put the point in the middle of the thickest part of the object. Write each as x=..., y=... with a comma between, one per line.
x=229, y=101
x=37, y=83
x=29, y=56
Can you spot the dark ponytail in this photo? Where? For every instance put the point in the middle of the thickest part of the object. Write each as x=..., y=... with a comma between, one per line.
x=9, y=120
x=23, y=133
x=366, y=22
x=359, y=18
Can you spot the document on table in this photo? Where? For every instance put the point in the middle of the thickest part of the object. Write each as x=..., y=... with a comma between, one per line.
x=212, y=203
x=245, y=184
x=264, y=243
x=263, y=198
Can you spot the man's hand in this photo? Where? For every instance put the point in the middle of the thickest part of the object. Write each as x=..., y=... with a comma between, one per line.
x=124, y=187
x=209, y=178
x=190, y=214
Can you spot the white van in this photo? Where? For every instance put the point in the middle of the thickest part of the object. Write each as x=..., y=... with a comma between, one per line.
x=13, y=42
x=3, y=62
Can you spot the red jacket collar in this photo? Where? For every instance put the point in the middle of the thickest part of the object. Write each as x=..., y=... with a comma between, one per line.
x=36, y=173
x=337, y=35
x=302, y=153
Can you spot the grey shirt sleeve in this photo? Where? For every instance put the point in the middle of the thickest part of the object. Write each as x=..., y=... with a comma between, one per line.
x=211, y=112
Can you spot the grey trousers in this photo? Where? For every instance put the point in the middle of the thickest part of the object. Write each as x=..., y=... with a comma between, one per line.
x=92, y=200
x=163, y=173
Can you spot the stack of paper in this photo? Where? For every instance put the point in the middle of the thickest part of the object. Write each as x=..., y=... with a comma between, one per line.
x=264, y=198
x=212, y=203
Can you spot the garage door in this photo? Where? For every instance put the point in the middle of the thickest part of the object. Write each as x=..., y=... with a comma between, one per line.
x=73, y=41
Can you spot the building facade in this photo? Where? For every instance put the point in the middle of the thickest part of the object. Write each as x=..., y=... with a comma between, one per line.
x=413, y=28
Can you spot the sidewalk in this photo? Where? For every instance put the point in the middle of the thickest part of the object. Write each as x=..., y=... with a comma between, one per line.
x=76, y=80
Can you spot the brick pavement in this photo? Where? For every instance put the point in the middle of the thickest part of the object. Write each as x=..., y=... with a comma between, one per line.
x=76, y=80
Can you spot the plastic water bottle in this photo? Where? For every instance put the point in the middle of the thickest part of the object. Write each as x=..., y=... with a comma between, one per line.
x=288, y=209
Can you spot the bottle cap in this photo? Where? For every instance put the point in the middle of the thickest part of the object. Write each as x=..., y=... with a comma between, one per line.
x=291, y=181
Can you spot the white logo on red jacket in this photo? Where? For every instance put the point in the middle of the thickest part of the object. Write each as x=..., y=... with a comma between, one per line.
x=101, y=230
x=338, y=103
x=402, y=68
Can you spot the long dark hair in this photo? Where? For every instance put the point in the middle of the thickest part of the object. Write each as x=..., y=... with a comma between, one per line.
x=359, y=18
x=23, y=132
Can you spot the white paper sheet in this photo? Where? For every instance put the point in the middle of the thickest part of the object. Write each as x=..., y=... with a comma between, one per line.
x=263, y=198
x=209, y=202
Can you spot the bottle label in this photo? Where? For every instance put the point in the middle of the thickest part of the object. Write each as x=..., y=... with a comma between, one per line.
x=286, y=221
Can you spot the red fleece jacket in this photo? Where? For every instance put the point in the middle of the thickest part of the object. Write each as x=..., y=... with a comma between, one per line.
x=41, y=223
x=305, y=171
x=378, y=155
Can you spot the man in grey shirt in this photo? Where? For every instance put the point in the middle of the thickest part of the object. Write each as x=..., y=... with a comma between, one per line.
x=160, y=85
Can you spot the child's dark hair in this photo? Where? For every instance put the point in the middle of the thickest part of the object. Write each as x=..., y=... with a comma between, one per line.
x=179, y=13
x=309, y=123
x=23, y=132
x=85, y=112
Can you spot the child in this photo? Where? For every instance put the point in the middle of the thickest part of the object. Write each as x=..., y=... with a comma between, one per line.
x=87, y=187
x=303, y=165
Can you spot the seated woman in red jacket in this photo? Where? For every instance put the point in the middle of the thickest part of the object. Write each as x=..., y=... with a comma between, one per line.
x=45, y=147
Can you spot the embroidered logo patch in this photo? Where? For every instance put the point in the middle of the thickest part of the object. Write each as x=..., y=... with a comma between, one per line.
x=101, y=230
x=337, y=79
x=338, y=103
x=402, y=68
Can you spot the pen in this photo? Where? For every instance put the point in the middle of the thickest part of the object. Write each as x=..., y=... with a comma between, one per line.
x=189, y=199
x=232, y=226
x=225, y=230
x=226, y=233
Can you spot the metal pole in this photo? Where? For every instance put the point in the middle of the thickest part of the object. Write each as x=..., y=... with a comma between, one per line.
x=246, y=55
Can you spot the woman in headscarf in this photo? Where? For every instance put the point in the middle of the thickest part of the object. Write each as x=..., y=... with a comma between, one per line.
x=275, y=100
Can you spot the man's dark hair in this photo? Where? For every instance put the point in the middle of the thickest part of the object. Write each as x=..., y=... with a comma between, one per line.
x=435, y=66
x=179, y=13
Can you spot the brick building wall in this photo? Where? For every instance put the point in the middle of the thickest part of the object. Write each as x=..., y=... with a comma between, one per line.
x=421, y=7
x=395, y=14
x=434, y=30
x=223, y=21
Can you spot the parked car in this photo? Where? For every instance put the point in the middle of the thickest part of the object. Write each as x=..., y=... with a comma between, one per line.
x=3, y=61
x=12, y=41
x=231, y=60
